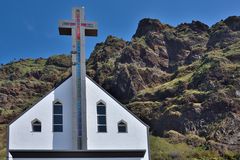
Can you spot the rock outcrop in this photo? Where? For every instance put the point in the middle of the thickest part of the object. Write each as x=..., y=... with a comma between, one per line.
x=182, y=78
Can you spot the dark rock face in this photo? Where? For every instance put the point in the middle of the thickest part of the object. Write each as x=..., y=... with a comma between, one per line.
x=173, y=45
x=120, y=67
x=155, y=46
x=189, y=73
x=195, y=26
x=149, y=25
x=228, y=131
x=224, y=33
x=61, y=61
x=233, y=23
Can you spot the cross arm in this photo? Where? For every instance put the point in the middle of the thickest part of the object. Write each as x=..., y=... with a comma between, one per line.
x=91, y=28
x=65, y=27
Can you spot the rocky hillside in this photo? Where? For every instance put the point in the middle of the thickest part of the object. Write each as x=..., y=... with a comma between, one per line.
x=183, y=81
x=184, y=78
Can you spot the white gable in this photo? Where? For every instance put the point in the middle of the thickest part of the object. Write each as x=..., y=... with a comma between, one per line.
x=21, y=136
x=137, y=133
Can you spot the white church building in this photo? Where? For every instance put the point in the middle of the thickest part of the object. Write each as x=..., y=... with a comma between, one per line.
x=78, y=120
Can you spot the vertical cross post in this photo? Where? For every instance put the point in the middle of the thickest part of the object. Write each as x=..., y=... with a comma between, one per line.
x=78, y=28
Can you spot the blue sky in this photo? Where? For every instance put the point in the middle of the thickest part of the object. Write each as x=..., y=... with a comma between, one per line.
x=29, y=28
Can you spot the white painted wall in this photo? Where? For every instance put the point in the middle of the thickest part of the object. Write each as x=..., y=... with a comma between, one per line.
x=21, y=137
x=135, y=138
x=20, y=131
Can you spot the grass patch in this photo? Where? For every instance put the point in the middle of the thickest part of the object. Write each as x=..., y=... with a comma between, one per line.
x=186, y=69
x=162, y=149
x=232, y=49
x=145, y=109
x=168, y=85
x=193, y=91
x=3, y=141
x=141, y=41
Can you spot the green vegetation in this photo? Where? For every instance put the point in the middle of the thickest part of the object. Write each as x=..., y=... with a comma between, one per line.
x=3, y=141
x=166, y=86
x=145, y=109
x=141, y=40
x=162, y=149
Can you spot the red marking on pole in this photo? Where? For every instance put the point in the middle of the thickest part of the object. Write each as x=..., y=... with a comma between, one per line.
x=78, y=34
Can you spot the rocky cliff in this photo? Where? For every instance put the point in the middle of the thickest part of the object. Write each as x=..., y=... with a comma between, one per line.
x=184, y=78
x=183, y=81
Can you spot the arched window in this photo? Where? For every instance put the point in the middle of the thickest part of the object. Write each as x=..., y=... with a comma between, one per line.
x=57, y=117
x=122, y=127
x=36, y=126
x=101, y=117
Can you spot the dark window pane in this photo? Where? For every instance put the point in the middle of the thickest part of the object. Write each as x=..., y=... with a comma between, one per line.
x=102, y=128
x=57, y=119
x=37, y=128
x=101, y=110
x=101, y=119
x=122, y=129
x=57, y=109
x=57, y=128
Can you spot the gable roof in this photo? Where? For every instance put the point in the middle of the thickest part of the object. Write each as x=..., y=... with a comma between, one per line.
x=127, y=153
x=96, y=85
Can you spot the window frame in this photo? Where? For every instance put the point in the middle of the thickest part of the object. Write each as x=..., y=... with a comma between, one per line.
x=33, y=125
x=101, y=103
x=122, y=125
x=57, y=103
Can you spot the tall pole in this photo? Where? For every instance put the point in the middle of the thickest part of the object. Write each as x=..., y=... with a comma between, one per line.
x=79, y=84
